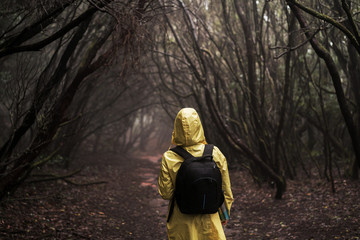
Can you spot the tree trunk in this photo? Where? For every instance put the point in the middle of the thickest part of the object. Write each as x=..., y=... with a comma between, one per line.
x=242, y=148
x=23, y=164
x=331, y=66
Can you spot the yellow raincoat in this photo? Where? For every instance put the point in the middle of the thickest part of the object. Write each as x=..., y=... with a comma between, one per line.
x=188, y=133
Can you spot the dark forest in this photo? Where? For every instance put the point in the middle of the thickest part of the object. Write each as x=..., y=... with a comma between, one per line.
x=89, y=90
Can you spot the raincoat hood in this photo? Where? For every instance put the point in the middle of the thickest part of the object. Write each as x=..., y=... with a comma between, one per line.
x=188, y=129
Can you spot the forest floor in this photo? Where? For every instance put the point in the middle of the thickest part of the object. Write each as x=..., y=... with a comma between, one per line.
x=128, y=206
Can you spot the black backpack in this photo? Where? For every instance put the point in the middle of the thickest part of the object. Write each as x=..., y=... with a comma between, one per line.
x=198, y=187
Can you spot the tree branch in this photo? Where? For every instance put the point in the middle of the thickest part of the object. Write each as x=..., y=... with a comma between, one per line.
x=36, y=27
x=330, y=20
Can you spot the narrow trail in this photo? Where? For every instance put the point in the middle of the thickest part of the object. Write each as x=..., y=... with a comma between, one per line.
x=141, y=210
x=128, y=206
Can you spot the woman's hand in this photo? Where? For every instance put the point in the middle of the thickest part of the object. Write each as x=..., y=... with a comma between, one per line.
x=224, y=222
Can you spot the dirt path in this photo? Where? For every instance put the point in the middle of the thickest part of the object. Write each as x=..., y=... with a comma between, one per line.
x=126, y=207
x=129, y=207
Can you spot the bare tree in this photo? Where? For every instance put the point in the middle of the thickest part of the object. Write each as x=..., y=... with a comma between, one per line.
x=246, y=66
x=82, y=40
x=351, y=32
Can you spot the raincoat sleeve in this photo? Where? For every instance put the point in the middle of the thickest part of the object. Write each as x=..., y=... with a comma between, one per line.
x=166, y=186
x=226, y=186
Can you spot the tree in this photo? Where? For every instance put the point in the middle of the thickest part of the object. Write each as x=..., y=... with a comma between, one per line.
x=350, y=30
x=82, y=40
x=246, y=68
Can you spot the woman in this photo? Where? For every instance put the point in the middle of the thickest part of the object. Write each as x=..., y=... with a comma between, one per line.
x=188, y=133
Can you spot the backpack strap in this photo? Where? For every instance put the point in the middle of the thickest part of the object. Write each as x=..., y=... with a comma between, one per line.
x=208, y=150
x=182, y=152
x=186, y=155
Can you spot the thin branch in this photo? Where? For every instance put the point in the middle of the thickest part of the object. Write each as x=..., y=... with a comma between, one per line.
x=346, y=8
x=39, y=45
x=290, y=49
x=330, y=20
